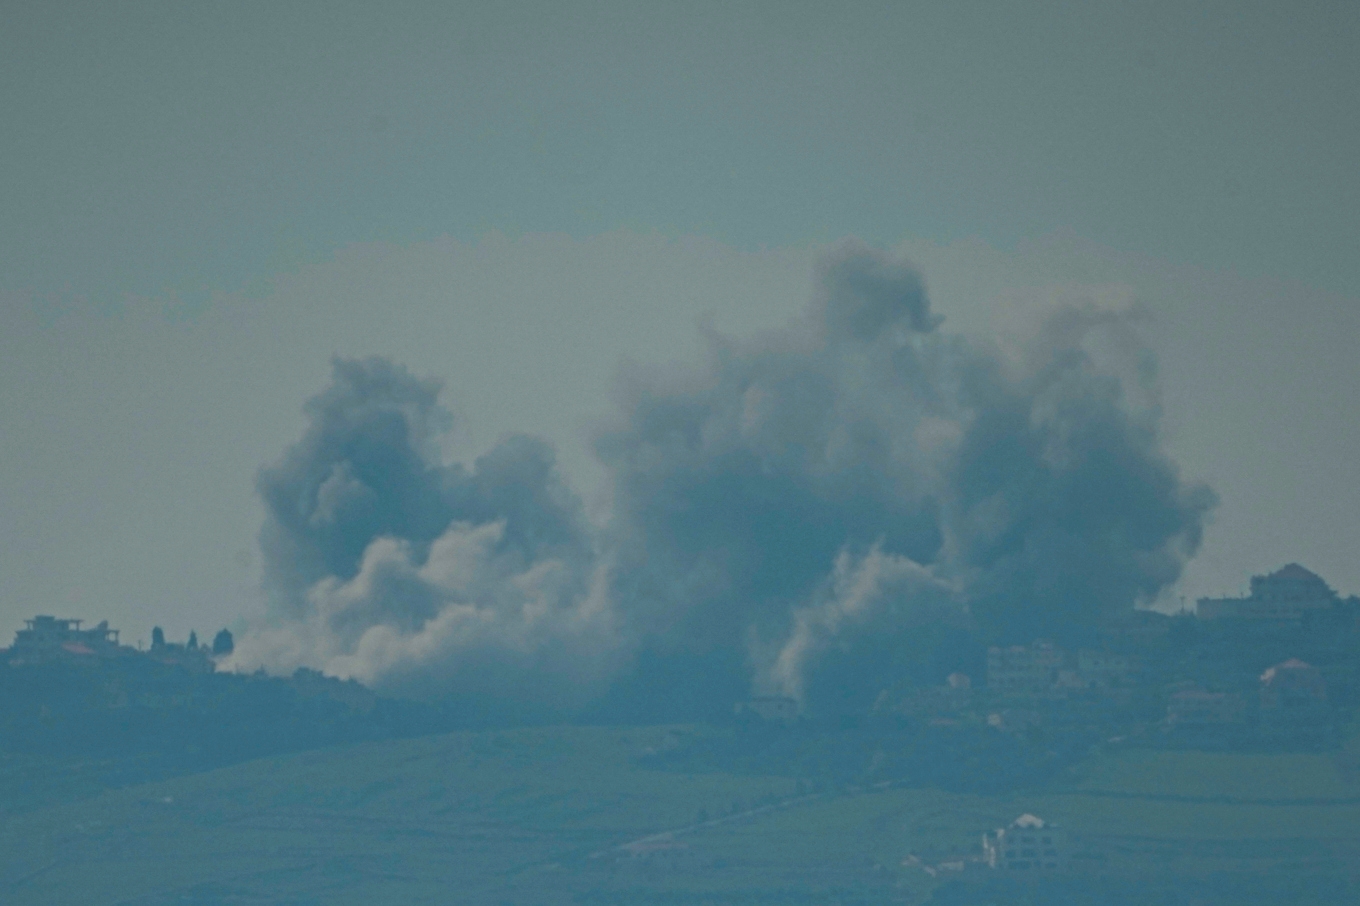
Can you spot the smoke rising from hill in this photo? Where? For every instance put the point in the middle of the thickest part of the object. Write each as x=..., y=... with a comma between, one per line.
x=812, y=512
x=385, y=564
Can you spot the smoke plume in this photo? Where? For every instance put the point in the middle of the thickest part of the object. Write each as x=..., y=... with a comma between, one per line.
x=385, y=564
x=818, y=512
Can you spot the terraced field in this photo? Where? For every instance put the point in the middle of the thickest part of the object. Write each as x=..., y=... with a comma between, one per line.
x=536, y=816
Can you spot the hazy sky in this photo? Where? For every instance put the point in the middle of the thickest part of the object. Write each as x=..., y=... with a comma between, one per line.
x=201, y=203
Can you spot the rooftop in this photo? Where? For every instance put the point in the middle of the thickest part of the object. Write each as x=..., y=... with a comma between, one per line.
x=1292, y=664
x=1296, y=572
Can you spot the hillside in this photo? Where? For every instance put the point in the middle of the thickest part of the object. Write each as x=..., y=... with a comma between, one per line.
x=536, y=816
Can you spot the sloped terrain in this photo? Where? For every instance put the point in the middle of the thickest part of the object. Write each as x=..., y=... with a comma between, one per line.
x=537, y=816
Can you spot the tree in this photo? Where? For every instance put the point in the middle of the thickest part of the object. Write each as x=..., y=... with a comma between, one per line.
x=223, y=643
x=193, y=640
x=157, y=638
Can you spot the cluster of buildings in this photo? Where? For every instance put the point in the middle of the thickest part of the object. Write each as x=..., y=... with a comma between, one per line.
x=1042, y=668
x=48, y=640
x=1022, y=683
x=1210, y=694
x=1236, y=671
x=1209, y=680
x=61, y=669
x=1293, y=694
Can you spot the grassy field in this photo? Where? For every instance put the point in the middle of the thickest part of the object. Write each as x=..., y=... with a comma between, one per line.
x=1207, y=775
x=531, y=816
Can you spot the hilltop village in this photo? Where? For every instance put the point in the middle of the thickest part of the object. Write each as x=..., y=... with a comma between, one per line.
x=71, y=690
x=1274, y=671
x=47, y=640
x=1277, y=668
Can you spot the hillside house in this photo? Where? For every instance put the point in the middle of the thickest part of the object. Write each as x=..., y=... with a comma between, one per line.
x=1023, y=670
x=1287, y=595
x=47, y=639
x=1029, y=844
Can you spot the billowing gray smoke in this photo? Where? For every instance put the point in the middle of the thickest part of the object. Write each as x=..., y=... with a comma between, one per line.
x=820, y=512
x=385, y=564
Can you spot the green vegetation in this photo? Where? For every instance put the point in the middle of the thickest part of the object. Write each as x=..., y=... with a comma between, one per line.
x=535, y=816
x=1207, y=775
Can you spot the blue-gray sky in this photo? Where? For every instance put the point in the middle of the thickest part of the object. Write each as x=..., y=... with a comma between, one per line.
x=200, y=204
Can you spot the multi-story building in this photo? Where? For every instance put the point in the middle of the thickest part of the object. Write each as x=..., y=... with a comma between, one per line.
x=46, y=639
x=1285, y=596
x=1028, y=844
x=1023, y=670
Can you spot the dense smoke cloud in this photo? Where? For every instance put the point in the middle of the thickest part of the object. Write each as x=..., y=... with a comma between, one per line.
x=818, y=512
x=891, y=591
x=1027, y=480
x=385, y=564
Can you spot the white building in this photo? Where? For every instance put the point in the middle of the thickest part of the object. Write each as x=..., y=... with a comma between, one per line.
x=1021, y=670
x=1029, y=844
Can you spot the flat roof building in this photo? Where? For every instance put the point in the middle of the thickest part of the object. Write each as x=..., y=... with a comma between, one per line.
x=1028, y=844
x=1284, y=596
x=1021, y=669
x=46, y=639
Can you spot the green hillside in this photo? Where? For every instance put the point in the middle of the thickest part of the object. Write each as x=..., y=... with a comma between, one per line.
x=533, y=816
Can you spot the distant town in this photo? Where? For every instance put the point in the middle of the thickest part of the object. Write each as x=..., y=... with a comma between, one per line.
x=1278, y=666
x=1275, y=670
